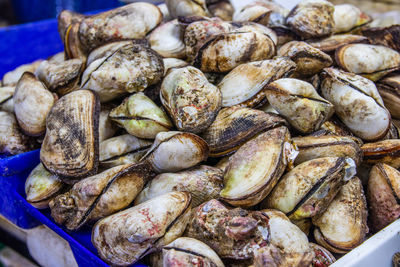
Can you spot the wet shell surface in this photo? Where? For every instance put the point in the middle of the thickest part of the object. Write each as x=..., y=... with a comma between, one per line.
x=32, y=103
x=386, y=151
x=70, y=146
x=163, y=219
x=12, y=140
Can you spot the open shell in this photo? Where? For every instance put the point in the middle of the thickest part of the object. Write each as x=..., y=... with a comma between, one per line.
x=386, y=151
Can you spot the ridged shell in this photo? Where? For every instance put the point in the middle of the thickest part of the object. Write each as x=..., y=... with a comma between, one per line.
x=72, y=44
x=347, y=17
x=386, y=151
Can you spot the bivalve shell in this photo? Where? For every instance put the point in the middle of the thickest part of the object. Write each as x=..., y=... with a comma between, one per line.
x=388, y=36
x=386, y=151
x=13, y=76
x=333, y=42
x=255, y=12
x=349, y=17
x=184, y=8
x=107, y=128
x=12, y=140
x=389, y=90
x=66, y=18
x=322, y=256
x=6, y=98
x=222, y=9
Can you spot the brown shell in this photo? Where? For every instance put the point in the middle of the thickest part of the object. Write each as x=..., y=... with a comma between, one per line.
x=333, y=42
x=389, y=89
x=66, y=18
x=389, y=36
x=222, y=9
x=72, y=45
x=386, y=151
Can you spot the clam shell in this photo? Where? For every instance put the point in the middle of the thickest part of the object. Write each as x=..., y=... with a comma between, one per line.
x=66, y=18
x=12, y=77
x=312, y=19
x=256, y=167
x=131, y=68
x=388, y=36
x=383, y=195
x=141, y=117
x=203, y=183
x=162, y=220
x=173, y=151
x=12, y=140
x=167, y=40
x=132, y=21
x=343, y=226
x=235, y=125
x=170, y=63
x=70, y=146
x=185, y=250
x=347, y=17
x=184, y=8
x=370, y=61
x=334, y=126
x=244, y=84
x=32, y=103
x=386, y=151
x=252, y=26
x=107, y=50
x=312, y=147
x=254, y=12
x=57, y=58
x=72, y=44
x=322, y=256
x=308, y=189
x=357, y=103
x=222, y=9
x=6, y=98
x=333, y=42
x=389, y=90
x=107, y=129
x=41, y=187
x=98, y=196
x=191, y=101
x=309, y=60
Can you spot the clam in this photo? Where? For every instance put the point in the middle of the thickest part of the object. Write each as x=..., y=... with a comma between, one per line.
x=255, y=12
x=357, y=103
x=303, y=224
x=235, y=125
x=231, y=233
x=141, y=117
x=162, y=220
x=244, y=84
x=98, y=196
x=370, y=61
x=221, y=9
x=66, y=18
x=312, y=147
x=348, y=17
x=389, y=90
x=121, y=150
x=331, y=43
x=308, y=189
x=334, y=126
x=167, y=40
x=383, y=195
x=132, y=21
x=61, y=78
x=223, y=52
x=108, y=49
x=72, y=44
x=106, y=127
x=32, y=103
x=6, y=98
x=388, y=36
x=57, y=58
x=252, y=26
x=255, y=168
x=131, y=68
x=170, y=63
x=299, y=103
x=393, y=133
x=12, y=77
x=323, y=257
x=12, y=140
x=164, y=10
x=173, y=151
x=183, y=8
x=343, y=226
x=309, y=60
x=41, y=187
x=312, y=19
x=70, y=146
x=203, y=183
x=386, y=151
x=186, y=251
x=191, y=101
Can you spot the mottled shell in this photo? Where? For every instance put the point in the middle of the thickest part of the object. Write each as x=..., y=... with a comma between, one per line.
x=347, y=17
x=343, y=226
x=65, y=19
x=61, y=78
x=383, y=195
x=234, y=126
x=255, y=168
x=6, y=98
x=309, y=60
x=98, y=196
x=41, y=187
x=357, y=103
x=203, y=183
x=389, y=90
x=244, y=84
x=183, y=8
x=308, y=189
x=386, y=151
x=312, y=147
x=223, y=52
x=388, y=36
x=370, y=61
x=186, y=251
x=70, y=146
x=122, y=149
x=333, y=42
x=322, y=257
x=12, y=140
x=162, y=220
x=191, y=101
x=32, y=103
x=312, y=19
x=131, y=21
x=174, y=151
x=254, y=12
x=222, y=9
x=141, y=117
x=13, y=76
x=131, y=68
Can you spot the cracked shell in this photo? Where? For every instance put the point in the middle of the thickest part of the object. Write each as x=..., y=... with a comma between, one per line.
x=151, y=225
x=386, y=151
x=357, y=103
x=12, y=140
x=185, y=8
x=389, y=90
x=256, y=167
x=349, y=17
x=343, y=226
x=70, y=146
x=308, y=189
x=190, y=100
x=32, y=103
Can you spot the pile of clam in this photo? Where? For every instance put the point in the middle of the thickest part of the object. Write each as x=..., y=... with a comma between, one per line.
x=199, y=133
